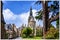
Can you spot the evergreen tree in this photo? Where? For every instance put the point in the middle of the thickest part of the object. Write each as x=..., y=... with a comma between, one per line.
x=44, y=14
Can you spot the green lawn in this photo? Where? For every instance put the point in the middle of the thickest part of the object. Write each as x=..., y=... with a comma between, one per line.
x=35, y=38
x=30, y=39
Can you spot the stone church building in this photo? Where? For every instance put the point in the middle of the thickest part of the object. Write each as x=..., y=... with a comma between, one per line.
x=32, y=22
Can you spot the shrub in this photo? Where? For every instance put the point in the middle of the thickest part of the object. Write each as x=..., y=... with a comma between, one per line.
x=26, y=32
x=6, y=36
x=39, y=32
x=24, y=36
x=52, y=33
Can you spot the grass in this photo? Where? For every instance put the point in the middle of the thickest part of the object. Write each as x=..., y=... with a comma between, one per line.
x=35, y=38
x=30, y=39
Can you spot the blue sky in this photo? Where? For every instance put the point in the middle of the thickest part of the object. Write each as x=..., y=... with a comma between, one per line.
x=17, y=12
x=19, y=6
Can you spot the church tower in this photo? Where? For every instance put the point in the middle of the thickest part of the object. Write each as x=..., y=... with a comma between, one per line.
x=31, y=21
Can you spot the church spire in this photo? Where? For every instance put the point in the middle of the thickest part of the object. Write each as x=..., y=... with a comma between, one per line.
x=30, y=11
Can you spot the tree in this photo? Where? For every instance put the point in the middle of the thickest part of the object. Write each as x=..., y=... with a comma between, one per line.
x=27, y=31
x=53, y=33
x=3, y=31
x=44, y=14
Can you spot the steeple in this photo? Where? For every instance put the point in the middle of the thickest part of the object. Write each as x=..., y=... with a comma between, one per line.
x=30, y=11
x=32, y=23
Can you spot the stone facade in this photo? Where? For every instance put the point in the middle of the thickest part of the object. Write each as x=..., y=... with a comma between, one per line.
x=11, y=30
x=20, y=29
x=8, y=28
x=18, y=33
x=14, y=31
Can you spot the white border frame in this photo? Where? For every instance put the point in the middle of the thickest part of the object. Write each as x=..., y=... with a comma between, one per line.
x=30, y=0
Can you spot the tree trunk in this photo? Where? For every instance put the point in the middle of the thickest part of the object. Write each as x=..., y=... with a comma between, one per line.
x=3, y=31
x=45, y=17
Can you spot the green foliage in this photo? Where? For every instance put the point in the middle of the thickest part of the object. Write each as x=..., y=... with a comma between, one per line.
x=6, y=36
x=57, y=23
x=29, y=30
x=51, y=26
x=39, y=15
x=54, y=8
x=52, y=33
x=26, y=32
x=23, y=35
x=39, y=32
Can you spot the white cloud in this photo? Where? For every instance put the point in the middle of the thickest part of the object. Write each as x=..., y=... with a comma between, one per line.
x=25, y=16
x=18, y=20
x=8, y=15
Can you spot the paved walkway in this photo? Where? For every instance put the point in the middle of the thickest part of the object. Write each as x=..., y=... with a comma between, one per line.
x=18, y=38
